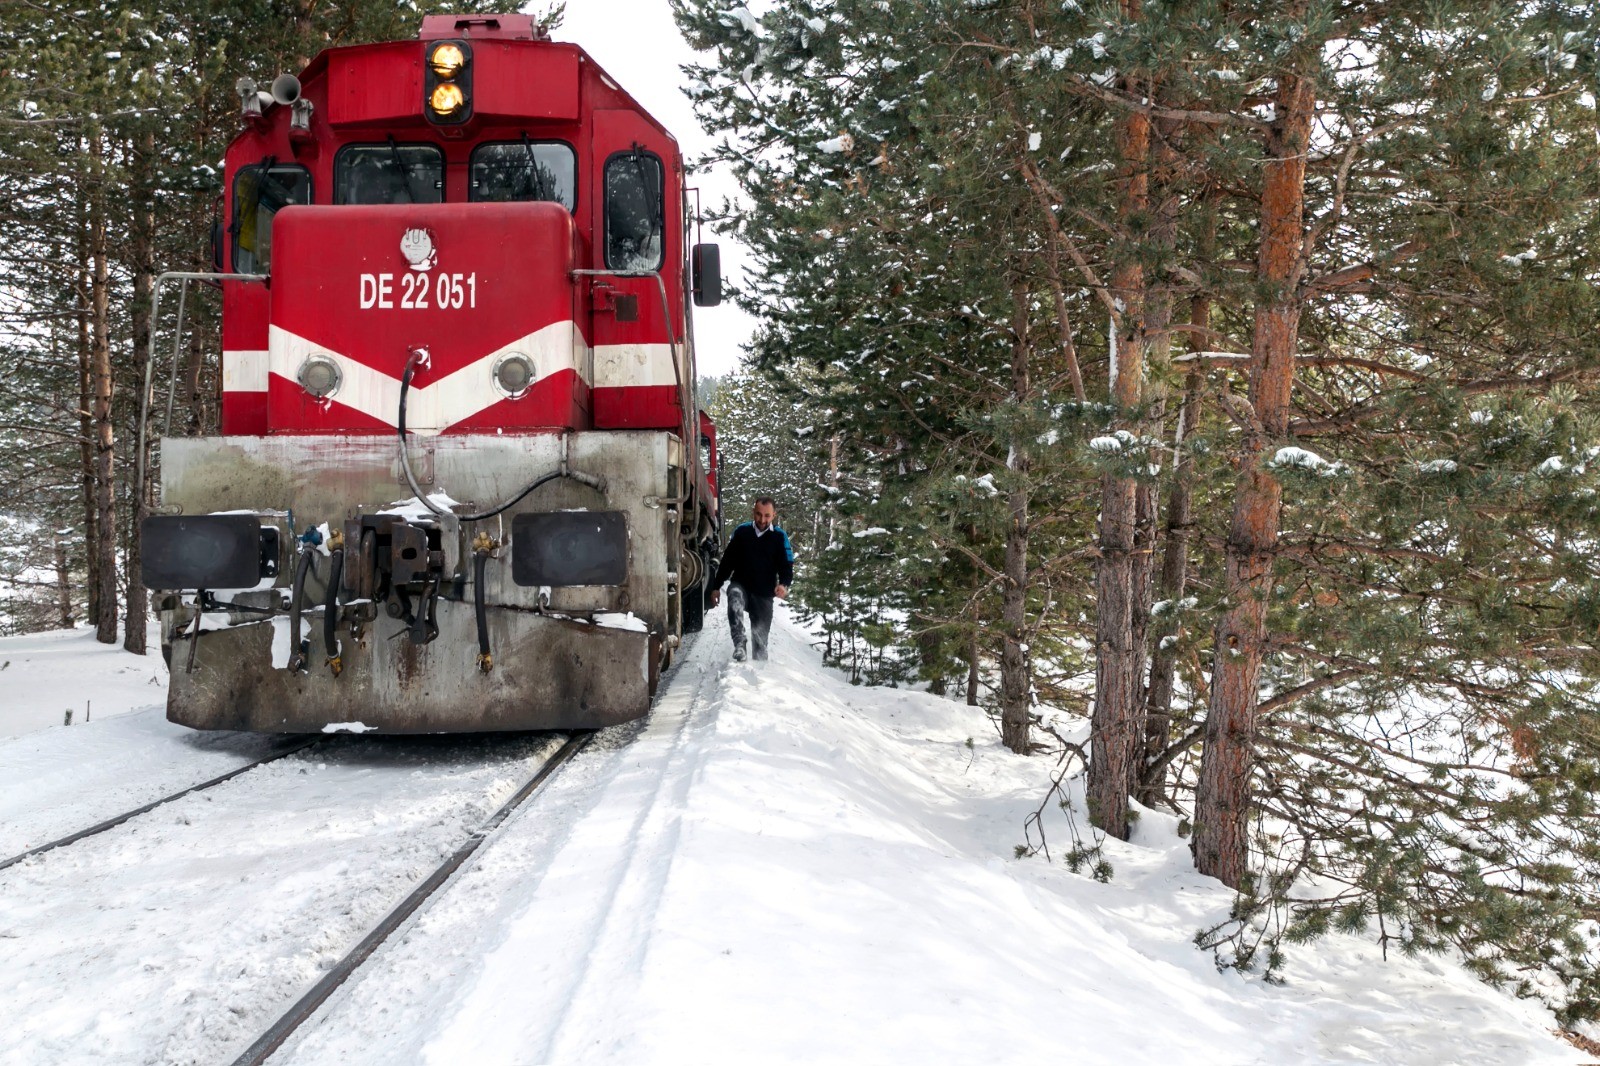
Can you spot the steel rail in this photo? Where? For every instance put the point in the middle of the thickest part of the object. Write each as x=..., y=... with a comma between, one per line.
x=297, y=1015
x=112, y=823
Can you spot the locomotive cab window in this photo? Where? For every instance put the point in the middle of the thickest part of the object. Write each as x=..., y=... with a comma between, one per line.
x=525, y=170
x=388, y=174
x=635, y=211
x=259, y=192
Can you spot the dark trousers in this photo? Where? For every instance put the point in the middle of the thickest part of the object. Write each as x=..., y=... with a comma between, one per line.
x=740, y=602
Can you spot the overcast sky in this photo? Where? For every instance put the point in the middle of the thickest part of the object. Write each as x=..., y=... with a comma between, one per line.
x=638, y=44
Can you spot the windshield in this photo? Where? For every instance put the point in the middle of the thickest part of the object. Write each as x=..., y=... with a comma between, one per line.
x=634, y=220
x=389, y=174
x=525, y=170
x=259, y=191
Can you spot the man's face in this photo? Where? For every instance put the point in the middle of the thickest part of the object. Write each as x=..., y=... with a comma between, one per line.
x=763, y=514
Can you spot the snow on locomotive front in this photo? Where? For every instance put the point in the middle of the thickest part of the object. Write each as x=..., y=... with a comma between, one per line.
x=460, y=483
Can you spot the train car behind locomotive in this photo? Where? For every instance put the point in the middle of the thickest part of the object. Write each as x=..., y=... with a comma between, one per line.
x=461, y=481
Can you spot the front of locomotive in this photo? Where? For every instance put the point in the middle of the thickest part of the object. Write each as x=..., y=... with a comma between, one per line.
x=451, y=491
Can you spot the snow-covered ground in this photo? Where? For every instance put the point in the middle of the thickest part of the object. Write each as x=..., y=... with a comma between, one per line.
x=775, y=867
x=44, y=675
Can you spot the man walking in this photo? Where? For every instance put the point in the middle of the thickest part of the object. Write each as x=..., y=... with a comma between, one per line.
x=761, y=563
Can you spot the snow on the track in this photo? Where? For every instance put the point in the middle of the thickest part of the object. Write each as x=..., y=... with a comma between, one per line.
x=179, y=936
x=780, y=867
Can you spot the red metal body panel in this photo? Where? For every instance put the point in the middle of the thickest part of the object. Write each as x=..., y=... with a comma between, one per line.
x=514, y=82
x=345, y=288
x=375, y=83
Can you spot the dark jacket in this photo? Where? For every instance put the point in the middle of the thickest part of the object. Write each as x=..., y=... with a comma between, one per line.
x=759, y=563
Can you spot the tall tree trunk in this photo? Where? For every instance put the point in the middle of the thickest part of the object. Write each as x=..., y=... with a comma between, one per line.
x=64, y=617
x=1015, y=685
x=974, y=658
x=1163, y=235
x=1173, y=575
x=1174, y=579
x=1069, y=351
x=105, y=503
x=143, y=261
x=1223, y=795
x=1113, y=725
x=91, y=518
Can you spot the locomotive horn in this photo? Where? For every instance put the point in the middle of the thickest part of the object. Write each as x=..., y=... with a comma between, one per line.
x=286, y=88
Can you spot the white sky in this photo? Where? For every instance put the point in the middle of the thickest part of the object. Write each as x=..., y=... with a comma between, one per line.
x=638, y=44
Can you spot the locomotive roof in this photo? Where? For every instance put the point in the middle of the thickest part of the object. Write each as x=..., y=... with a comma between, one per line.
x=519, y=29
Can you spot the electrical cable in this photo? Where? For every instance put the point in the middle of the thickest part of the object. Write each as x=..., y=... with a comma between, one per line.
x=417, y=356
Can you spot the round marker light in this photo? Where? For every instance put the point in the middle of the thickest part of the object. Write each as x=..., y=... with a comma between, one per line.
x=513, y=375
x=447, y=60
x=320, y=376
x=447, y=99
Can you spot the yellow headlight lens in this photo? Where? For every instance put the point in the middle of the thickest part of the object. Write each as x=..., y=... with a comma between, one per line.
x=447, y=60
x=447, y=99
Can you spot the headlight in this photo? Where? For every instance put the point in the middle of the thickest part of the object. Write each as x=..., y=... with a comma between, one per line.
x=447, y=99
x=447, y=60
x=320, y=376
x=513, y=374
x=447, y=83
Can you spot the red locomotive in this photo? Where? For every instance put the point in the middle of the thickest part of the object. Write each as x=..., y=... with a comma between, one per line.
x=462, y=481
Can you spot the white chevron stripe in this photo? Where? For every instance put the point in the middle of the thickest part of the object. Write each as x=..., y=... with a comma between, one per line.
x=622, y=365
x=244, y=371
x=431, y=410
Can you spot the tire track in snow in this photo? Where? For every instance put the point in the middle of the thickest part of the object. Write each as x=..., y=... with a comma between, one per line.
x=627, y=916
x=524, y=949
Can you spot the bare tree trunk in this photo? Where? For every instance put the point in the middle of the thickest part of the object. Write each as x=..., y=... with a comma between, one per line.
x=972, y=670
x=64, y=617
x=143, y=261
x=1174, y=579
x=104, y=547
x=1145, y=515
x=86, y=483
x=1113, y=725
x=1015, y=684
x=930, y=653
x=1223, y=795
x=1069, y=351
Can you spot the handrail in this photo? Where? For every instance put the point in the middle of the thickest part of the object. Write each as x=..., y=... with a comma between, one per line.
x=185, y=276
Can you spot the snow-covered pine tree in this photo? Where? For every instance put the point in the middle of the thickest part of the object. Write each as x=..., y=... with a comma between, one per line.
x=908, y=265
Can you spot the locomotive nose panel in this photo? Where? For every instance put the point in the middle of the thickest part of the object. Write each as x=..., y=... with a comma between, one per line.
x=357, y=289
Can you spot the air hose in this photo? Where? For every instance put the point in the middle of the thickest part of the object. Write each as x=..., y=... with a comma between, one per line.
x=419, y=356
x=482, y=547
x=297, y=660
x=330, y=605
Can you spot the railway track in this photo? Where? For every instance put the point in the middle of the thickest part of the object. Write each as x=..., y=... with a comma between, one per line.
x=213, y=909
x=306, y=1006
x=126, y=816
x=215, y=905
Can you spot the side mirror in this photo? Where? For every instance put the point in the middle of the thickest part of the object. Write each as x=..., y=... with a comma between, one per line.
x=706, y=263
